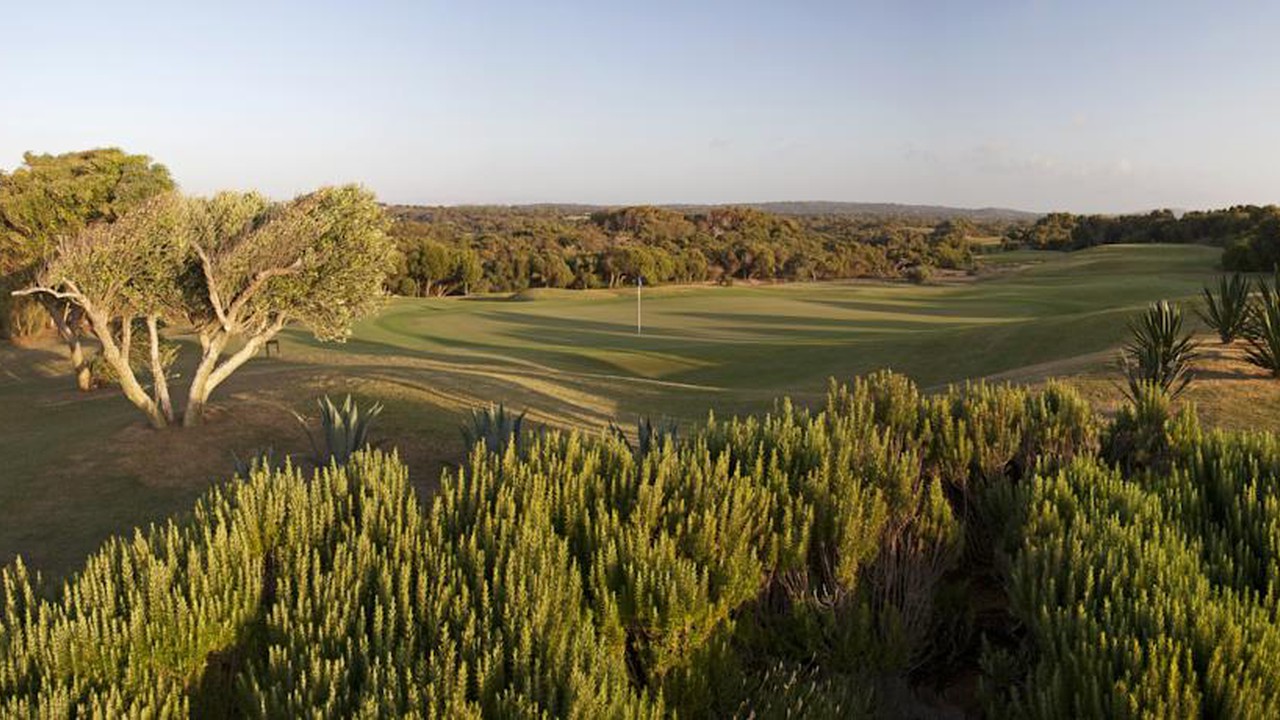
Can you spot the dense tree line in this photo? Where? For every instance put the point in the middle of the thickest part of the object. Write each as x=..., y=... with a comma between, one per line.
x=802, y=563
x=1249, y=234
x=450, y=250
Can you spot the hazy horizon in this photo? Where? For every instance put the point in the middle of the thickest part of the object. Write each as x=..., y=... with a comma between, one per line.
x=1031, y=105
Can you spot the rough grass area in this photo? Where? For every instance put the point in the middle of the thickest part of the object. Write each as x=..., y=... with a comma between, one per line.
x=78, y=467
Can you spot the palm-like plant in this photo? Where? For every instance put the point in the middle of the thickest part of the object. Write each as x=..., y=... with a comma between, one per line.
x=1159, y=351
x=344, y=428
x=649, y=436
x=496, y=427
x=1228, y=312
x=1263, y=332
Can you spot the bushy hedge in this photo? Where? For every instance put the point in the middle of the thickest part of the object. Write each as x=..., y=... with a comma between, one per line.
x=801, y=563
x=1153, y=594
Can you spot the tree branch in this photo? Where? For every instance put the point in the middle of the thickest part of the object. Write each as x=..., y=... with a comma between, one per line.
x=260, y=279
x=251, y=348
x=126, y=337
x=56, y=294
x=206, y=266
x=158, y=379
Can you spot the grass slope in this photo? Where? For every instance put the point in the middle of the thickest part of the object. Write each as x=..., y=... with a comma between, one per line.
x=77, y=468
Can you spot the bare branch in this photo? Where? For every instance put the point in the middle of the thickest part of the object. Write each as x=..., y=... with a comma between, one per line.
x=206, y=266
x=56, y=294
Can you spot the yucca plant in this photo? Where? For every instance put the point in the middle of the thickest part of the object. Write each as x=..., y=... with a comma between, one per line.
x=1228, y=312
x=1263, y=332
x=1159, y=351
x=344, y=429
x=495, y=426
x=649, y=436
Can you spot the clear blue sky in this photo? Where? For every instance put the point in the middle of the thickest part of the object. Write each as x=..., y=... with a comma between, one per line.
x=1086, y=106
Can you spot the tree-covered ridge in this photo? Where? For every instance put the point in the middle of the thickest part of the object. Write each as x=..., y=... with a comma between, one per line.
x=1250, y=234
x=448, y=250
x=824, y=562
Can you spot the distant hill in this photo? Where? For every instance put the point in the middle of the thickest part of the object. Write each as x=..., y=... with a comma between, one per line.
x=817, y=207
x=892, y=209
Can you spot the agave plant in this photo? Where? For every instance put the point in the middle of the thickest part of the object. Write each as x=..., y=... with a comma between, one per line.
x=649, y=436
x=260, y=460
x=1159, y=351
x=345, y=429
x=1228, y=312
x=1263, y=332
x=496, y=427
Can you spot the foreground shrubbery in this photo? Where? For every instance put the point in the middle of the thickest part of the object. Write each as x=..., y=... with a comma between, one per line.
x=824, y=563
x=1154, y=594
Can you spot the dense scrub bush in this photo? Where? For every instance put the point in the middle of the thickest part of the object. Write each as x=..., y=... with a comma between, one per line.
x=815, y=563
x=918, y=274
x=1152, y=597
x=20, y=317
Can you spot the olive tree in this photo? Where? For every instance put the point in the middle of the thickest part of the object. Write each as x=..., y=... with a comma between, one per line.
x=53, y=197
x=319, y=261
x=234, y=269
x=117, y=274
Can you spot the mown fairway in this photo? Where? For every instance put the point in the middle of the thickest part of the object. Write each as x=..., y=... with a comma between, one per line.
x=577, y=358
x=79, y=467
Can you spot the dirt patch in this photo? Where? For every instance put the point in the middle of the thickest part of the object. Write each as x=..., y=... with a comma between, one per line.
x=240, y=427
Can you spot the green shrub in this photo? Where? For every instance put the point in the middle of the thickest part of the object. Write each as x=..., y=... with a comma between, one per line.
x=266, y=459
x=1228, y=312
x=1138, y=437
x=1128, y=610
x=20, y=316
x=918, y=274
x=801, y=563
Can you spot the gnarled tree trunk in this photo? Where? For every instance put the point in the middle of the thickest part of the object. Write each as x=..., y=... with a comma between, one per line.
x=118, y=356
x=67, y=319
x=158, y=376
x=209, y=374
x=211, y=345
